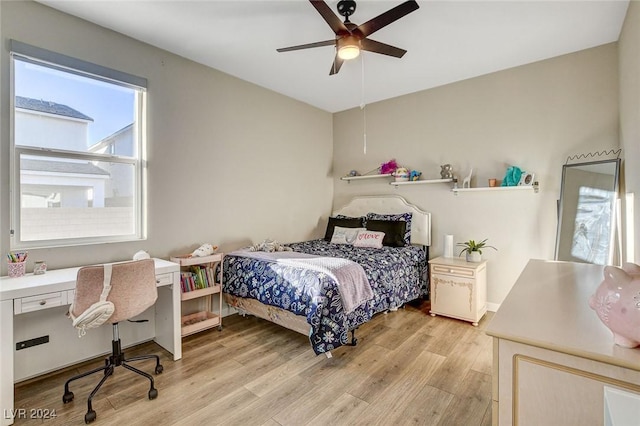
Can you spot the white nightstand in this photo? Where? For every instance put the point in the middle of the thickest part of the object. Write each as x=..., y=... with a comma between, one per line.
x=458, y=289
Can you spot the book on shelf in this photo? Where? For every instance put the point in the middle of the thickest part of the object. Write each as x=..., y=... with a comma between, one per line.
x=196, y=278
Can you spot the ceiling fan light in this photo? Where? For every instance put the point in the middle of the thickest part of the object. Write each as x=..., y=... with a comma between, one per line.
x=348, y=48
x=348, y=52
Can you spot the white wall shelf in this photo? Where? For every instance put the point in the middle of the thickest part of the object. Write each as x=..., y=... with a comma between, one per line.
x=535, y=188
x=420, y=182
x=350, y=178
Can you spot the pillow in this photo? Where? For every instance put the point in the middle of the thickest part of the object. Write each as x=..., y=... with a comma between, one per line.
x=344, y=222
x=371, y=239
x=345, y=235
x=393, y=231
x=396, y=217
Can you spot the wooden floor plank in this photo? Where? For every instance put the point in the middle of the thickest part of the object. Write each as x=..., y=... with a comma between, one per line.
x=408, y=368
x=470, y=405
x=344, y=410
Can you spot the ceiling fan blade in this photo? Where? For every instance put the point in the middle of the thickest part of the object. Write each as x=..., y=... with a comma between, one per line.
x=308, y=45
x=337, y=63
x=386, y=18
x=384, y=49
x=327, y=14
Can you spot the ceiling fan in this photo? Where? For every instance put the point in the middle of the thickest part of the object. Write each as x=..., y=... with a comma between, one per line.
x=351, y=38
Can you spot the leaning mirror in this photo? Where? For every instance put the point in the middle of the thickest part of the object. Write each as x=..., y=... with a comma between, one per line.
x=586, y=221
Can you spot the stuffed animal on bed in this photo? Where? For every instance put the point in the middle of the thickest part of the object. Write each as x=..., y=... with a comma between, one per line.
x=269, y=246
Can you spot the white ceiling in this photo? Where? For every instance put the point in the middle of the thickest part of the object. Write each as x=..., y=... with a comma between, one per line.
x=447, y=41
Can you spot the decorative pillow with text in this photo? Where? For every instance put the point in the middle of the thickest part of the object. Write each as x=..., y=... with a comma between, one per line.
x=345, y=235
x=372, y=239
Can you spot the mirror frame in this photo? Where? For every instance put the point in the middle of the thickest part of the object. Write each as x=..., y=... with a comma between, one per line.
x=614, y=201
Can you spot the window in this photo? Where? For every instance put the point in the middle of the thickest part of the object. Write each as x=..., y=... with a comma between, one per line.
x=77, y=151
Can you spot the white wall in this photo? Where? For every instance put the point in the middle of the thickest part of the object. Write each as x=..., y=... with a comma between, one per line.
x=229, y=163
x=629, y=47
x=532, y=116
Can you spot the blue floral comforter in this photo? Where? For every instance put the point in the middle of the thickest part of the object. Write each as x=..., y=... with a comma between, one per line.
x=396, y=275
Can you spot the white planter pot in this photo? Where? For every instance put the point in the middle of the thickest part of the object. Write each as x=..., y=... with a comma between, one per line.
x=474, y=256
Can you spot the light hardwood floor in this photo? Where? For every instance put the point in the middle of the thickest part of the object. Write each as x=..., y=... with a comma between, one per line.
x=408, y=368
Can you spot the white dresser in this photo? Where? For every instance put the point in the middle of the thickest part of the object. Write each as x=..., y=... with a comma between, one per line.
x=458, y=288
x=554, y=361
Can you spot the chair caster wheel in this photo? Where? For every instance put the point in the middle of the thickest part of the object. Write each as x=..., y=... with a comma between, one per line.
x=153, y=393
x=67, y=397
x=159, y=369
x=89, y=417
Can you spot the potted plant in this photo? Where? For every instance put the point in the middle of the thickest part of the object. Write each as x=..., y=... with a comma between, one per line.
x=474, y=249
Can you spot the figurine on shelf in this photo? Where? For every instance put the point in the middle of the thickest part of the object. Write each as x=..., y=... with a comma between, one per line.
x=466, y=183
x=446, y=171
x=353, y=173
x=414, y=175
x=401, y=174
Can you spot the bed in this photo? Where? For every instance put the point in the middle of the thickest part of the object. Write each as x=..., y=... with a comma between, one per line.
x=289, y=289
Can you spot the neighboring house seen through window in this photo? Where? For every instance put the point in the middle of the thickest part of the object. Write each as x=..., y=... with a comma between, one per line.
x=77, y=151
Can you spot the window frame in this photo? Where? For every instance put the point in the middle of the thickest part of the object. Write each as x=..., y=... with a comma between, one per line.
x=26, y=53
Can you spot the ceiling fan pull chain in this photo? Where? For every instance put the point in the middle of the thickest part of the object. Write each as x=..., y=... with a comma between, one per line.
x=364, y=111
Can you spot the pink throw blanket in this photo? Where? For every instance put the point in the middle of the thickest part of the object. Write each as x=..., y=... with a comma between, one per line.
x=350, y=277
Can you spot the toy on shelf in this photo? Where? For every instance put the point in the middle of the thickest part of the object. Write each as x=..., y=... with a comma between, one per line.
x=446, y=171
x=401, y=174
x=466, y=183
x=512, y=177
x=204, y=250
x=389, y=167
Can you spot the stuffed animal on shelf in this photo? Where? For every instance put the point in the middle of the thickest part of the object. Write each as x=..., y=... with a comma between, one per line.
x=512, y=177
x=388, y=167
x=414, y=175
x=204, y=250
x=401, y=174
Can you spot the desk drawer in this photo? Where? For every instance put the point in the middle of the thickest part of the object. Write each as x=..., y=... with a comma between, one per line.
x=164, y=279
x=39, y=302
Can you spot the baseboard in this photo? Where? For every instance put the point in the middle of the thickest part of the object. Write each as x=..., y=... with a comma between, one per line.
x=493, y=307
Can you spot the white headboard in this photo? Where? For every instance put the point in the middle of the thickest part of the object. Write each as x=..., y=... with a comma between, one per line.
x=391, y=204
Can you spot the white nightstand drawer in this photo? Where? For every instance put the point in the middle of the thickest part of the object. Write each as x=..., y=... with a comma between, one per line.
x=42, y=301
x=164, y=279
x=454, y=270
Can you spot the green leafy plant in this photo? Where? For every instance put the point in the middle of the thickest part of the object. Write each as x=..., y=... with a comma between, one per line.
x=472, y=245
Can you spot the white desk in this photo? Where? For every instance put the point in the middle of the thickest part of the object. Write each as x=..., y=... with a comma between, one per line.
x=36, y=304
